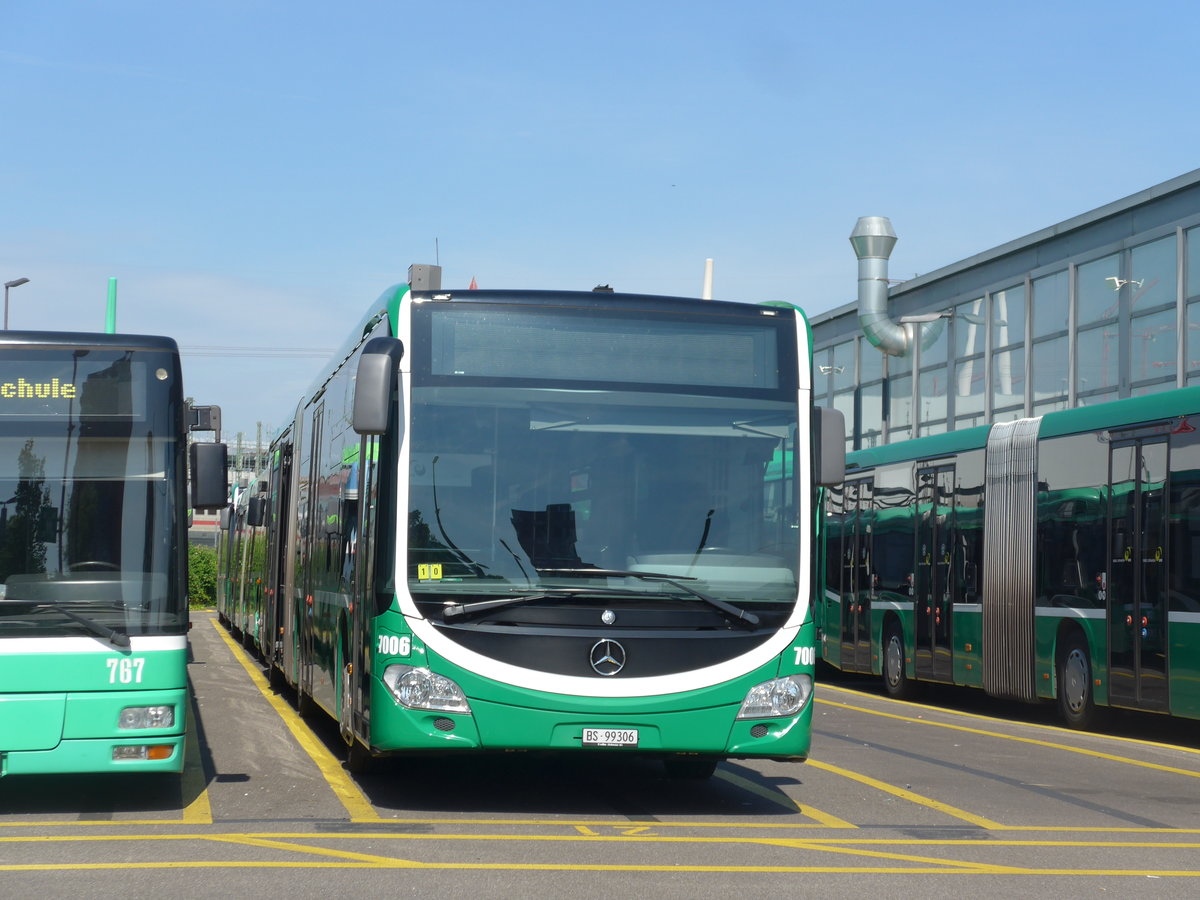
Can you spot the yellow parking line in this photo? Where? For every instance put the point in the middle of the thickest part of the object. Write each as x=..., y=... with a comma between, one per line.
x=1140, y=763
x=282, y=837
x=191, y=782
x=1040, y=726
x=673, y=868
x=352, y=798
x=824, y=820
x=292, y=847
x=949, y=864
x=306, y=845
x=908, y=795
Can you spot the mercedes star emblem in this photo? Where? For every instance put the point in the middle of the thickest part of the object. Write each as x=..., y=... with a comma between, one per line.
x=607, y=657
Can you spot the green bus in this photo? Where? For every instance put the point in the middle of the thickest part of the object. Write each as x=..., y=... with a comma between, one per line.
x=1055, y=558
x=93, y=551
x=546, y=521
x=241, y=562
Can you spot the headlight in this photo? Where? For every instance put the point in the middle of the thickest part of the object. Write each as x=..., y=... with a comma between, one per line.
x=421, y=689
x=123, y=752
x=146, y=717
x=779, y=697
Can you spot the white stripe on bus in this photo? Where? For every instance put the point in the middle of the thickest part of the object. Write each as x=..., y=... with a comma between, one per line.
x=87, y=644
x=900, y=605
x=1069, y=612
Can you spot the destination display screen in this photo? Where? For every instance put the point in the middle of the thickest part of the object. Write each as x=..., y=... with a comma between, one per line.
x=73, y=386
x=529, y=343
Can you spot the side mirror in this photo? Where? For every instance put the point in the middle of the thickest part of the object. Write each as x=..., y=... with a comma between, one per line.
x=208, y=463
x=206, y=418
x=829, y=445
x=377, y=370
x=256, y=511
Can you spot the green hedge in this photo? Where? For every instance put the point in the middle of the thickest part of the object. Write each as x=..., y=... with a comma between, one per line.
x=202, y=576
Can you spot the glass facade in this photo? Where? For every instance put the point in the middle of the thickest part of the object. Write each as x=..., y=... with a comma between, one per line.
x=1121, y=319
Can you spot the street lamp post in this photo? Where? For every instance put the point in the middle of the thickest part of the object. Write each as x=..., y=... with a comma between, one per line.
x=11, y=284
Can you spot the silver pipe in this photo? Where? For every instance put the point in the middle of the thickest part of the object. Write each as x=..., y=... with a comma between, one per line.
x=873, y=240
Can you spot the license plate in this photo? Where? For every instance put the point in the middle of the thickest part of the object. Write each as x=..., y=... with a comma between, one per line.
x=610, y=737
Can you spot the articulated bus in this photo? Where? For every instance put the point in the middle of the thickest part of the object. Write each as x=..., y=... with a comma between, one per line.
x=241, y=561
x=544, y=521
x=93, y=551
x=1053, y=558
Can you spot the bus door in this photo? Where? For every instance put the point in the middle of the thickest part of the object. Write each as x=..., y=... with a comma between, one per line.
x=311, y=532
x=360, y=543
x=933, y=600
x=857, y=587
x=831, y=599
x=1137, y=588
x=278, y=544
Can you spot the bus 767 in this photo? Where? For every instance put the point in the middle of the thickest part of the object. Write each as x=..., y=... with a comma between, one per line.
x=93, y=551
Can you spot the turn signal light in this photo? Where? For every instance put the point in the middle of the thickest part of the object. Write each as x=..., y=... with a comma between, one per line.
x=141, y=752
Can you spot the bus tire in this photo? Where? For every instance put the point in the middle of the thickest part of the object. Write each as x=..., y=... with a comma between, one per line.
x=345, y=723
x=359, y=760
x=896, y=682
x=1076, y=701
x=305, y=706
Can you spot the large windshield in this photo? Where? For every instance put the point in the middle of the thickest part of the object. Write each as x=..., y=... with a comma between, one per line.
x=88, y=512
x=512, y=485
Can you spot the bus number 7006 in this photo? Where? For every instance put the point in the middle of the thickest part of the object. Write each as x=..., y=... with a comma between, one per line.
x=392, y=645
x=805, y=656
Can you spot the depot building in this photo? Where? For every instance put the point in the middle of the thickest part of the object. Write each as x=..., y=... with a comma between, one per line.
x=1102, y=306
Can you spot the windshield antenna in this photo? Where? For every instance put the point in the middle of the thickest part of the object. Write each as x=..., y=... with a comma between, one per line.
x=517, y=560
x=703, y=537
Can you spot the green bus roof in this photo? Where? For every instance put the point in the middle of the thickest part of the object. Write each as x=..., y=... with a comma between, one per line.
x=1114, y=414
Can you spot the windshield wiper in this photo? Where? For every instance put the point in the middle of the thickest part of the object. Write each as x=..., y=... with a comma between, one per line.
x=116, y=638
x=454, y=610
x=743, y=616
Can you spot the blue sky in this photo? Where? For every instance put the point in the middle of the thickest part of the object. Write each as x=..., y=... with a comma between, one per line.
x=254, y=173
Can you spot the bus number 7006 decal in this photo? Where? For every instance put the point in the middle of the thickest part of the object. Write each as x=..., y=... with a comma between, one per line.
x=125, y=670
x=391, y=645
x=805, y=656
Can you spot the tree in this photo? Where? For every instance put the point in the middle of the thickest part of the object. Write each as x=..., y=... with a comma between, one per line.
x=23, y=534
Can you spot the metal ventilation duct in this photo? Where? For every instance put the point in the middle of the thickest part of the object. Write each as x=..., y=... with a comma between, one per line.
x=873, y=240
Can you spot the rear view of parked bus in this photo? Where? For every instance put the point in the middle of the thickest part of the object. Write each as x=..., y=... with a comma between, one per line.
x=93, y=540
x=542, y=521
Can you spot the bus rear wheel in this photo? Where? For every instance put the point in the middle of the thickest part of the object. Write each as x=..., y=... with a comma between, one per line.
x=1076, y=703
